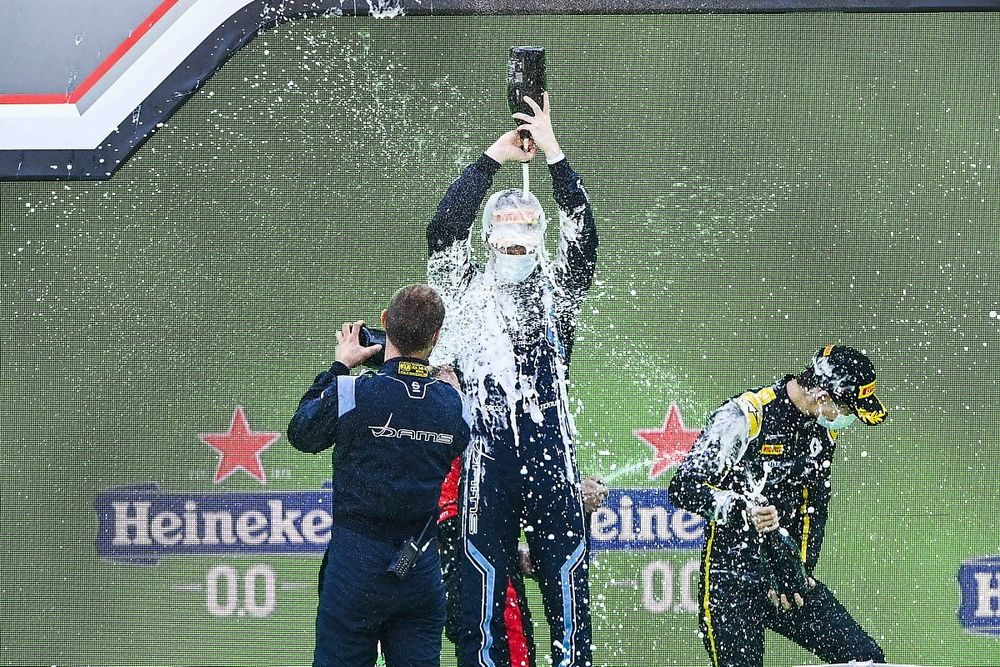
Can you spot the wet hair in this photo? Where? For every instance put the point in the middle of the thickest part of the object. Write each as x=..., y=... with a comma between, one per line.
x=807, y=378
x=513, y=198
x=415, y=314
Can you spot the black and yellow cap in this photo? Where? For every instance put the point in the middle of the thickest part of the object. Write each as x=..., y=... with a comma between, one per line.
x=849, y=376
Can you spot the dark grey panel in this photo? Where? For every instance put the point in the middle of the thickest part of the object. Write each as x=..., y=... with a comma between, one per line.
x=261, y=15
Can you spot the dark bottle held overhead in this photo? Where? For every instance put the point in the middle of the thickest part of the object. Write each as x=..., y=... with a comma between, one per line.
x=525, y=76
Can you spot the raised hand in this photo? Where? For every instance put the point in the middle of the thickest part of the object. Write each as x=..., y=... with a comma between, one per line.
x=350, y=352
x=510, y=147
x=540, y=126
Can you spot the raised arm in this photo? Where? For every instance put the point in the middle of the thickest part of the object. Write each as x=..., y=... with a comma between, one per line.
x=449, y=252
x=313, y=427
x=457, y=210
x=576, y=259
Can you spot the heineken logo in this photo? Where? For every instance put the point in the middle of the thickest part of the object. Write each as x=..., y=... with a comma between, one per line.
x=142, y=525
x=641, y=519
x=979, y=581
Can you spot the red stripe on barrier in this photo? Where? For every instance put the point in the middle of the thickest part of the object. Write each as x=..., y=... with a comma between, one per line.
x=44, y=98
x=77, y=94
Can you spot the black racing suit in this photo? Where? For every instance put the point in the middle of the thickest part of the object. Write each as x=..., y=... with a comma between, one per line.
x=759, y=449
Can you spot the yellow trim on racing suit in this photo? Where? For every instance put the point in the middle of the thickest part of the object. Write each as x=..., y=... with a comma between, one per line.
x=708, y=613
x=805, y=522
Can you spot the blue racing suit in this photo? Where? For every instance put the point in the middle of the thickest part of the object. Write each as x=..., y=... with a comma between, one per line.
x=511, y=344
x=394, y=434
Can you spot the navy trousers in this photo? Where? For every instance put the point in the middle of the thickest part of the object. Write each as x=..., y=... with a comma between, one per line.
x=532, y=484
x=361, y=606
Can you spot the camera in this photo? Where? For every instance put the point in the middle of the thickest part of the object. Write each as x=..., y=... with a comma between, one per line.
x=368, y=336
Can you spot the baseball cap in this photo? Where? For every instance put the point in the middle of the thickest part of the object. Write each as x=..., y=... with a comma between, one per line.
x=849, y=376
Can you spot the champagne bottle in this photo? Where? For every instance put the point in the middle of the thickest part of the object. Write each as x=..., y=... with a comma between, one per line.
x=525, y=76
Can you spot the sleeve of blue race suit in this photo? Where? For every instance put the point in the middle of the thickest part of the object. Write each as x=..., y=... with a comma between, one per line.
x=449, y=251
x=313, y=427
x=699, y=485
x=576, y=259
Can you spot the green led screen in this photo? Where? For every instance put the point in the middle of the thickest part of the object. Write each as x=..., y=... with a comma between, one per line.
x=763, y=185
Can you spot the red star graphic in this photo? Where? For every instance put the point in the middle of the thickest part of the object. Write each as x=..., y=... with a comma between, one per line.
x=671, y=442
x=240, y=447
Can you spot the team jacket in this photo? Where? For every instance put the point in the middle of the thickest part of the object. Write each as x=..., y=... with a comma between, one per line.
x=756, y=446
x=394, y=435
x=511, y=343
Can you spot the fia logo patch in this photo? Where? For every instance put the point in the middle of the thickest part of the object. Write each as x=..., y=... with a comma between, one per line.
x=414, y=369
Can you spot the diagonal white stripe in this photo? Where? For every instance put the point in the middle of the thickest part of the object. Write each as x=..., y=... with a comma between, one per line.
x=63, y=127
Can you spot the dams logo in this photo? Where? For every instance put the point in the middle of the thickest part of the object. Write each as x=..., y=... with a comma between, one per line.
x=388, y=431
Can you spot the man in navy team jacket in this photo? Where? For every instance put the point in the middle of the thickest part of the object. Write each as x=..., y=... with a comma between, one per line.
x=394, y=434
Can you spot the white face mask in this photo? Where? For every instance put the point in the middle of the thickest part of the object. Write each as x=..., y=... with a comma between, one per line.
x=513, y=268
x=510, y=219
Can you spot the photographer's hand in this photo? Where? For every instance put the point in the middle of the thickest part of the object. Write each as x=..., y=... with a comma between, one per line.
x=350, y=352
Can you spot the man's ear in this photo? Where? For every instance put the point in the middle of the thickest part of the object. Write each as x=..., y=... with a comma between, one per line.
x=437, y=336
x=383, y=318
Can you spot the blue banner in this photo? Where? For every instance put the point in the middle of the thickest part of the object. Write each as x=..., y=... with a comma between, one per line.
x=141, y=525
x=979, y=580
x=643, y=519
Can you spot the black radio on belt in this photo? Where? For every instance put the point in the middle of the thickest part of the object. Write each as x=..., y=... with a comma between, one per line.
x=405, y=559
x=409, y=553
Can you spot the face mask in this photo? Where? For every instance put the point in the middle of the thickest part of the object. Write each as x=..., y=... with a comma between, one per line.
x=514, y=268
x=838, y=424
